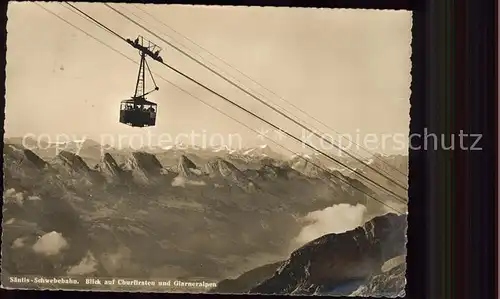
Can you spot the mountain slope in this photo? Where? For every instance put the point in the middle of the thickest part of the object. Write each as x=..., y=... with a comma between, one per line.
x=334, y=261
x=388, y=282
x=248, y=280
x=220, y=168
x=394, y=167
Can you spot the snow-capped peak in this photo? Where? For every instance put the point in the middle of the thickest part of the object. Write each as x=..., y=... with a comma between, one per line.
x=221, y=148
x=67, y=142
x=300, y=155
x=247, y=152
x=261, y=150
x=177, y=146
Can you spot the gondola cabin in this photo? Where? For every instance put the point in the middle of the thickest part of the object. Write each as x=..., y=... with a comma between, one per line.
x=138, y=113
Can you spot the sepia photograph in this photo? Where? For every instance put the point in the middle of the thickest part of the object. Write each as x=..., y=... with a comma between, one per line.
x=206, y=149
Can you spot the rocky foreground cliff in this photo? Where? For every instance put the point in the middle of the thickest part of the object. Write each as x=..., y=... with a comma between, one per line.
x=366, y=261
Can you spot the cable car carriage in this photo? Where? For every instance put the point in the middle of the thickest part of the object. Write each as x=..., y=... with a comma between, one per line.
x=138, y=111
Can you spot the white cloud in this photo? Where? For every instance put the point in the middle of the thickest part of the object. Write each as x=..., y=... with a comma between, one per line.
x=11, y=196
x=182, y=182
x=9, y=192
x=34, y=197
x=50, y=244
x=86, y=266
x=18, y=243
x=336, y=219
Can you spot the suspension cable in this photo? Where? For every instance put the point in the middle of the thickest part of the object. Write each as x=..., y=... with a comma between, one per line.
x=259, y=84
x=267, y=104
x=397, y=196
x=213, y=107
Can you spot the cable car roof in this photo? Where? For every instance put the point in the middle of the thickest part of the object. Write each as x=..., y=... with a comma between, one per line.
x=138, y=101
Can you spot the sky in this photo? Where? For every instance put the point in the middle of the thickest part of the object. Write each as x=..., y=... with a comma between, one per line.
x=348, y=69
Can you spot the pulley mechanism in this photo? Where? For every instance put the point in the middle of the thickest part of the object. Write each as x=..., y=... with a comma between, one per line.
x=137, y=111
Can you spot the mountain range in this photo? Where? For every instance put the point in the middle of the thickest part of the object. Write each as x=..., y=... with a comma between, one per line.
x=184, y=212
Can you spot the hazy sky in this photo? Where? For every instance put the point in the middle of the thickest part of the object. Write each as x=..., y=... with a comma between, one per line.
x=348, y=68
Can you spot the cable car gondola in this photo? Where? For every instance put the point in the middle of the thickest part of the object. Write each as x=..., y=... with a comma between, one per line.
x=138, y=111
